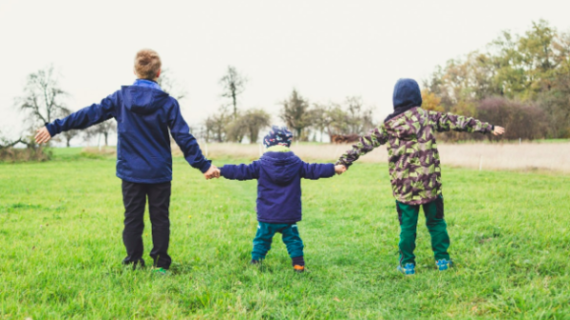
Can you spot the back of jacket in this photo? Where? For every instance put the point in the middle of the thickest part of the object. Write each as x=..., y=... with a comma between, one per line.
x=143, y=146
x=279, y=183
x=144, y=115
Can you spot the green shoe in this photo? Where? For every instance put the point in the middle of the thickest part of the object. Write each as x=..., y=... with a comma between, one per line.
x=160, y=272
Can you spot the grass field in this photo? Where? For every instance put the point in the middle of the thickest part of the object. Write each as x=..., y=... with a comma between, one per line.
x=61, y=223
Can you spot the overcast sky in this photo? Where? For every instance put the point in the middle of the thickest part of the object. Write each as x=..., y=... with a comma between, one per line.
x=326, y=49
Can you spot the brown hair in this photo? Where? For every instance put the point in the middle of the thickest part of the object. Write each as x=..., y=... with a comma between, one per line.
x=147, y=64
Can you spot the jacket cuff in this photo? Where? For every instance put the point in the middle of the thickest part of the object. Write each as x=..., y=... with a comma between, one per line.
x=332, y=171
x=206, y=166
x=50, y=128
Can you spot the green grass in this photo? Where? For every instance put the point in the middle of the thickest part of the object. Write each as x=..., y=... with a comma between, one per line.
x=60, y=234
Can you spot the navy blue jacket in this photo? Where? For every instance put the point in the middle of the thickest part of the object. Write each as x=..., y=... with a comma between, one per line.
x=278, y=177
x=144, y=116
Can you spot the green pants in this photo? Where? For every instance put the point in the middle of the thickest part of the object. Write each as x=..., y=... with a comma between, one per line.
x=408, y=216
x=264, y=237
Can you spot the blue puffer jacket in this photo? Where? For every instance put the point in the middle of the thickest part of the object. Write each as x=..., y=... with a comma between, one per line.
x=144, y=114
x=278, y=177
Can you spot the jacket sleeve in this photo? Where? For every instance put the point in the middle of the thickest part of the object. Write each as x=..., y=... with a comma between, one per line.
x=240, y=171
x=186, y=141
x=449, y=121
x=85, y=117
x=374, y=139
x=316, y=171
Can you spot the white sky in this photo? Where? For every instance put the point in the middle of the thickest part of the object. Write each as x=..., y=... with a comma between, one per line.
x=327, y=49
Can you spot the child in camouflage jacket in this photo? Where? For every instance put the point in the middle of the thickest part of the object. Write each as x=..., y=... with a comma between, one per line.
x=414, y=167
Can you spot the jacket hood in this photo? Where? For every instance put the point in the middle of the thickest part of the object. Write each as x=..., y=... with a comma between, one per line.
x=143, y=100
x=406, y=96
x=281, y=167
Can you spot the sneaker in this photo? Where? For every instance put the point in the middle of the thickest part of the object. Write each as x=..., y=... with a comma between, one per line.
x=443, y=264
x=255, y=262
x=160, y=271
x=299, y=269
x=408, y=270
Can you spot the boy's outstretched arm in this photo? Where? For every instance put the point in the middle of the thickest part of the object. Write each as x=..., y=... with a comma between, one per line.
x=374, y=139
x=188, y=144
x=240, y=171
x=449, y=121
x=316, y=171
x=80, y=119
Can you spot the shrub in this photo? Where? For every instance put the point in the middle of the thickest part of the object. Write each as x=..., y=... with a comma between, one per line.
x=521, y=121
x=30, y=153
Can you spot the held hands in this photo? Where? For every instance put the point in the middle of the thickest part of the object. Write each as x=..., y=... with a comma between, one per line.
x=42, y=135
x=498, y=131
x=213, y=172
x=339, y=169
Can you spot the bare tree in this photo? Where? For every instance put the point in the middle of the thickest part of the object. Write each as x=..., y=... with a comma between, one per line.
x=42, y=97
x=104, y=128
x=216, y=125
x=169, y=85
x=233, y=84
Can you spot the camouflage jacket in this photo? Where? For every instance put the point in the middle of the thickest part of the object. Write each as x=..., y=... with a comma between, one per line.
x=412, y=151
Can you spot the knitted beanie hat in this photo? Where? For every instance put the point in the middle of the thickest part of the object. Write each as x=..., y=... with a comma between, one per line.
x=278, y=136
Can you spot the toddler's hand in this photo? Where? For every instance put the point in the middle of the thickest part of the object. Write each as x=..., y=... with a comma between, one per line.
x=339, y=169
x=498, y=131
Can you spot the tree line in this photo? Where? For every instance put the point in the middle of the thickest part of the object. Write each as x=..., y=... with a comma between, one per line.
x=307, y=121
x=521, y=81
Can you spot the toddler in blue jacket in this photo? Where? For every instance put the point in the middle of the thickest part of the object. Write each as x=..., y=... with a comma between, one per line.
x=279, y=172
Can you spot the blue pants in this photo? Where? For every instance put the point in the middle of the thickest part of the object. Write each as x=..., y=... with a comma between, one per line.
x=264, y=236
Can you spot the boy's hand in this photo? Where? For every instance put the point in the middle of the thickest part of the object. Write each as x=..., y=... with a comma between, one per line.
x=213, y=172
x=42, y=135
x=339, y=169
x=498, y=131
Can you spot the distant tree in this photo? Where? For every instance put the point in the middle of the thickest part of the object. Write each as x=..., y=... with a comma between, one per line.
x=338, y=123
x=104, y=129
x=233, y=84
x=70, y=134
x=320, y=119
x=359, y=119
x=216, y=125
x=431, y=101
x=533, y=68
x=296, y=115
x=43, y=97
x=170, y=85
x=255, y=120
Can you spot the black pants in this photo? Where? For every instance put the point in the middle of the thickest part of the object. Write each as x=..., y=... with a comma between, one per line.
x=134, y=199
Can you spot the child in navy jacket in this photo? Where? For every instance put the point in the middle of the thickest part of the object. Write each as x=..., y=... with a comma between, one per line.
x=145, y=115
x=278, y=172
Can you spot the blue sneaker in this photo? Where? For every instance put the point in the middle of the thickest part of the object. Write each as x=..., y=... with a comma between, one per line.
x=408, y=270
x=443, y=264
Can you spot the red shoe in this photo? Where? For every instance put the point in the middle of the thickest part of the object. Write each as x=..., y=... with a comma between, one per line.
x=299, y=269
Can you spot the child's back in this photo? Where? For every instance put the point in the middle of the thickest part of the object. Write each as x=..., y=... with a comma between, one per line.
x=145, y=114
x=414, y=167
x=278, y=173
x=409, y=133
